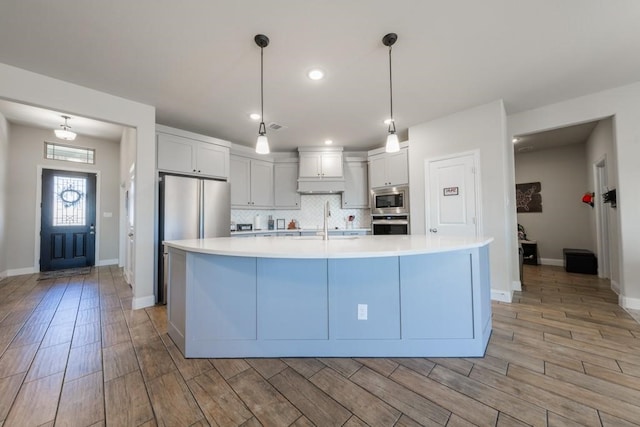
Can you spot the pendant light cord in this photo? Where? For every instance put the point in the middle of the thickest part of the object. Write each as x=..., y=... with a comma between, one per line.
x=262, y=129
x=392, y=125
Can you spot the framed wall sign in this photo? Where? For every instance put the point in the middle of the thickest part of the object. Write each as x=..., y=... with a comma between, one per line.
x=280, y=224
x=450, y=191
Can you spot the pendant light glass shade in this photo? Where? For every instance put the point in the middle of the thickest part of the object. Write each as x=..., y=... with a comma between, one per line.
x=65, y=133
x=262, y=143
x=393, y=145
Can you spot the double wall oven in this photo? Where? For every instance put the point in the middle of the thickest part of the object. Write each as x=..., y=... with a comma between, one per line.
x=390, y=210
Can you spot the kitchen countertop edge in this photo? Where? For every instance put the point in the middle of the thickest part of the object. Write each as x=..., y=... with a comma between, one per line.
x=358, y=247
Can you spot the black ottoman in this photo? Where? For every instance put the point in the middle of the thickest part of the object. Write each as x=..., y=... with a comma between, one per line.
x=580, y=261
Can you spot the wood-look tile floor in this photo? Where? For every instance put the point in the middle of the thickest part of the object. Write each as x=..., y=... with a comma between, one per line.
x=72, y=352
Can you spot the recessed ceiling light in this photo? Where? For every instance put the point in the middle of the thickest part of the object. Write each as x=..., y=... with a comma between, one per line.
x=514, y=140
x=254, y=116
x=388, y=121
x=316, y=74
x=328, y=141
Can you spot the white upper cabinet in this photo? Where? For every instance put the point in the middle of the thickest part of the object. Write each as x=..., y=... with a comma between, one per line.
x=192, y=156
x=285, y=177
x=251, y=183
x=356, y=190
x=318, y=164
x=389, y=169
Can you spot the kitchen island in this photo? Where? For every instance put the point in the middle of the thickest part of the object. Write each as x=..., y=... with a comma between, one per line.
x=356, y=296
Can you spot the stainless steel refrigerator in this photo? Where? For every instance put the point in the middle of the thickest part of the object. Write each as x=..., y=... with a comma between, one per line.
x=190, y=208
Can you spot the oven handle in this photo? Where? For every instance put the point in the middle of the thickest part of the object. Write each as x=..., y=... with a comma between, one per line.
x=390, y=222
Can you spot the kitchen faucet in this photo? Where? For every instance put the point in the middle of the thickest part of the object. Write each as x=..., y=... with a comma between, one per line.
x=327, y=214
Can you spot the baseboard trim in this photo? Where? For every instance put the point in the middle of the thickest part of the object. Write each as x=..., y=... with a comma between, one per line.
x=3, y=275
x=552, y=261
x=615, y=287
x=143, y=302
x=21, y=271
x=502, y=296
x=627, y=302
x=516, y=285
x=104, y=262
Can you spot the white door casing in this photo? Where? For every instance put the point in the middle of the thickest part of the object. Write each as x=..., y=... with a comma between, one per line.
x=129, y=267
x=602, y=218
x=452, y=195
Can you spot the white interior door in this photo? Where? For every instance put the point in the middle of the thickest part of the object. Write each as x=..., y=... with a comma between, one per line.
x=452, y=195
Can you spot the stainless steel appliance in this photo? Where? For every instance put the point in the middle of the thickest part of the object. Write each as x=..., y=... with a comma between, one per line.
x=390, y=201
x=190, y=208
x=390, y=224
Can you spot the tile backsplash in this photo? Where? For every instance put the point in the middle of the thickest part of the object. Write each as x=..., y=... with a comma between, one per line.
x=310, y=215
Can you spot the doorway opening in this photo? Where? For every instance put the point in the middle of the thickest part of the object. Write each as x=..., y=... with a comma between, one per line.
x=570, y=163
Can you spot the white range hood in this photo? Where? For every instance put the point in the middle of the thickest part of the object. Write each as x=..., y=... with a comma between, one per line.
x=320, y=170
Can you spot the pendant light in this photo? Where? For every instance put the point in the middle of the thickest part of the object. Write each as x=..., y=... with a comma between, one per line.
x=262, y=144
x=392, y=145
x=65, y=133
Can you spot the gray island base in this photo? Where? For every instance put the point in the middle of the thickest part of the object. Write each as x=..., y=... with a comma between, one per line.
x=377, y=296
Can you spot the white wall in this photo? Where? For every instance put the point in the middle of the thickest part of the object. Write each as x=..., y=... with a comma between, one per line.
x=42, y=91
x=624, y=104
x=26, y=153
x=4, y=164
x=481, y=128
x=600, y=145
x=565, y=221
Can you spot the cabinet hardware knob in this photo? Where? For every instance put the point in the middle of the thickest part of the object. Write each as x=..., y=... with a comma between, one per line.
x=433, y=230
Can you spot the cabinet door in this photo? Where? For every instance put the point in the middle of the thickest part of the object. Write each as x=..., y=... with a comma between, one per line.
x=211, y=160
x=261, y=184
x=377, y=172
x=310, y=165
x=397, y=168
x=285, y=177
x=331, y=165
x=356, y=194
x=240, y=179
x=175, y=153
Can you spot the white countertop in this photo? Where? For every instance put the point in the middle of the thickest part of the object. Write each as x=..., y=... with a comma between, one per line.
x=335, y=247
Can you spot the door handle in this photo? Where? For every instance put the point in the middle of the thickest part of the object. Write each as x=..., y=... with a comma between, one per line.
x=130, y=234
x=92, y=229
x=433, y=230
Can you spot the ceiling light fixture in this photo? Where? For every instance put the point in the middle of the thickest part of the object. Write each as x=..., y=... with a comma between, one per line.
x=392, y=145
x=328, y=141
x=65, y=133
x=262, y=144
x=254, y=116
x=515, y=139
x=316, y=74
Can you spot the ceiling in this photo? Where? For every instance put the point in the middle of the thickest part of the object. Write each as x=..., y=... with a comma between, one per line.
x=49, y=119
x=197, y=63
x=554, y=138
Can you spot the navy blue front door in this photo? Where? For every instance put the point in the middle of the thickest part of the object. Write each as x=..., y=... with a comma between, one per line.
x=67, y=232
